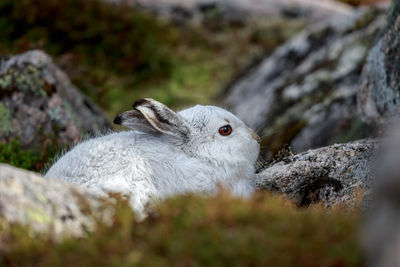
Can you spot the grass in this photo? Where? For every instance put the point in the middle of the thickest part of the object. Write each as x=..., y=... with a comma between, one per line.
x=197, y=231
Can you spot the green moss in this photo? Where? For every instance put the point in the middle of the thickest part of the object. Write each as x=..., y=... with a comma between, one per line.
x=37, y=160
x=5, y=120
x=197, y=231
x=12, y=153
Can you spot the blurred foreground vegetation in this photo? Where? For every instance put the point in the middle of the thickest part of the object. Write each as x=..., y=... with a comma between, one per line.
x=198, y=231
x=117, y=54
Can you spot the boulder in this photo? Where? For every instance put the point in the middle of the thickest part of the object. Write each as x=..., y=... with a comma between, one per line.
x=47, y=205
x=305, y=93
x=379, y=96
x=39, y=106
x=335, y=175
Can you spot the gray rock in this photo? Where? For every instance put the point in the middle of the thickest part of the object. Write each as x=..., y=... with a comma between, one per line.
x=40, y=106
x=305, y=93
x=379, y=96
x=333, y=175
x=50, y=206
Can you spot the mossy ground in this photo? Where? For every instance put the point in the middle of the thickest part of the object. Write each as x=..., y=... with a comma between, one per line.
x=198, y=231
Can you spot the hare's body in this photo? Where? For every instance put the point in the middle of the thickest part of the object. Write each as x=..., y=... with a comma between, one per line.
x=146, y=164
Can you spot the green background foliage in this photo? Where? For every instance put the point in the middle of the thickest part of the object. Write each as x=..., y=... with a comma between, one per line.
x=116, y=54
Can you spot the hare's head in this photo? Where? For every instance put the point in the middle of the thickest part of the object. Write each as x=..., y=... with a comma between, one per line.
x=205, y=132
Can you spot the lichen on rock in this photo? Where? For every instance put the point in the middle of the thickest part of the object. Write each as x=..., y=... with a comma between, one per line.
x=25, y=78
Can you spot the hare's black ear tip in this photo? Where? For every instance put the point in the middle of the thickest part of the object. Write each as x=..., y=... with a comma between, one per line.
x=140, y=102
x=118, y=119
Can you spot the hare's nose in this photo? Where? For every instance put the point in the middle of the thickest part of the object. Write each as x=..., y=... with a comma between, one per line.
x=254, y=135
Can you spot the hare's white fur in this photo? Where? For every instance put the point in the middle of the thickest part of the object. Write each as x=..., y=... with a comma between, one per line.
x=150, y=163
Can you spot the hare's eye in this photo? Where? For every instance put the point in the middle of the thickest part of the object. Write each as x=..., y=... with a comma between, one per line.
x=225, y=130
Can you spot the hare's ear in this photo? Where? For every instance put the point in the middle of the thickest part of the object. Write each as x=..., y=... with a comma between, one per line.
x=151, y=116
x=162, y=118
x=135, y=120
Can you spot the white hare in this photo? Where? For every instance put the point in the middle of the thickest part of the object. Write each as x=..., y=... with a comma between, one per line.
x=195, y=150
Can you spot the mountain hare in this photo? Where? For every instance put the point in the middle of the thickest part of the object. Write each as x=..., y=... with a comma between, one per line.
x=195, y=150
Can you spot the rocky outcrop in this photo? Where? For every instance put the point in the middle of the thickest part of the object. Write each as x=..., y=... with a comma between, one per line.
x=47, y=205
x=379, y=96
x=333, y=175
x=305, y=93
x=39, y=105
